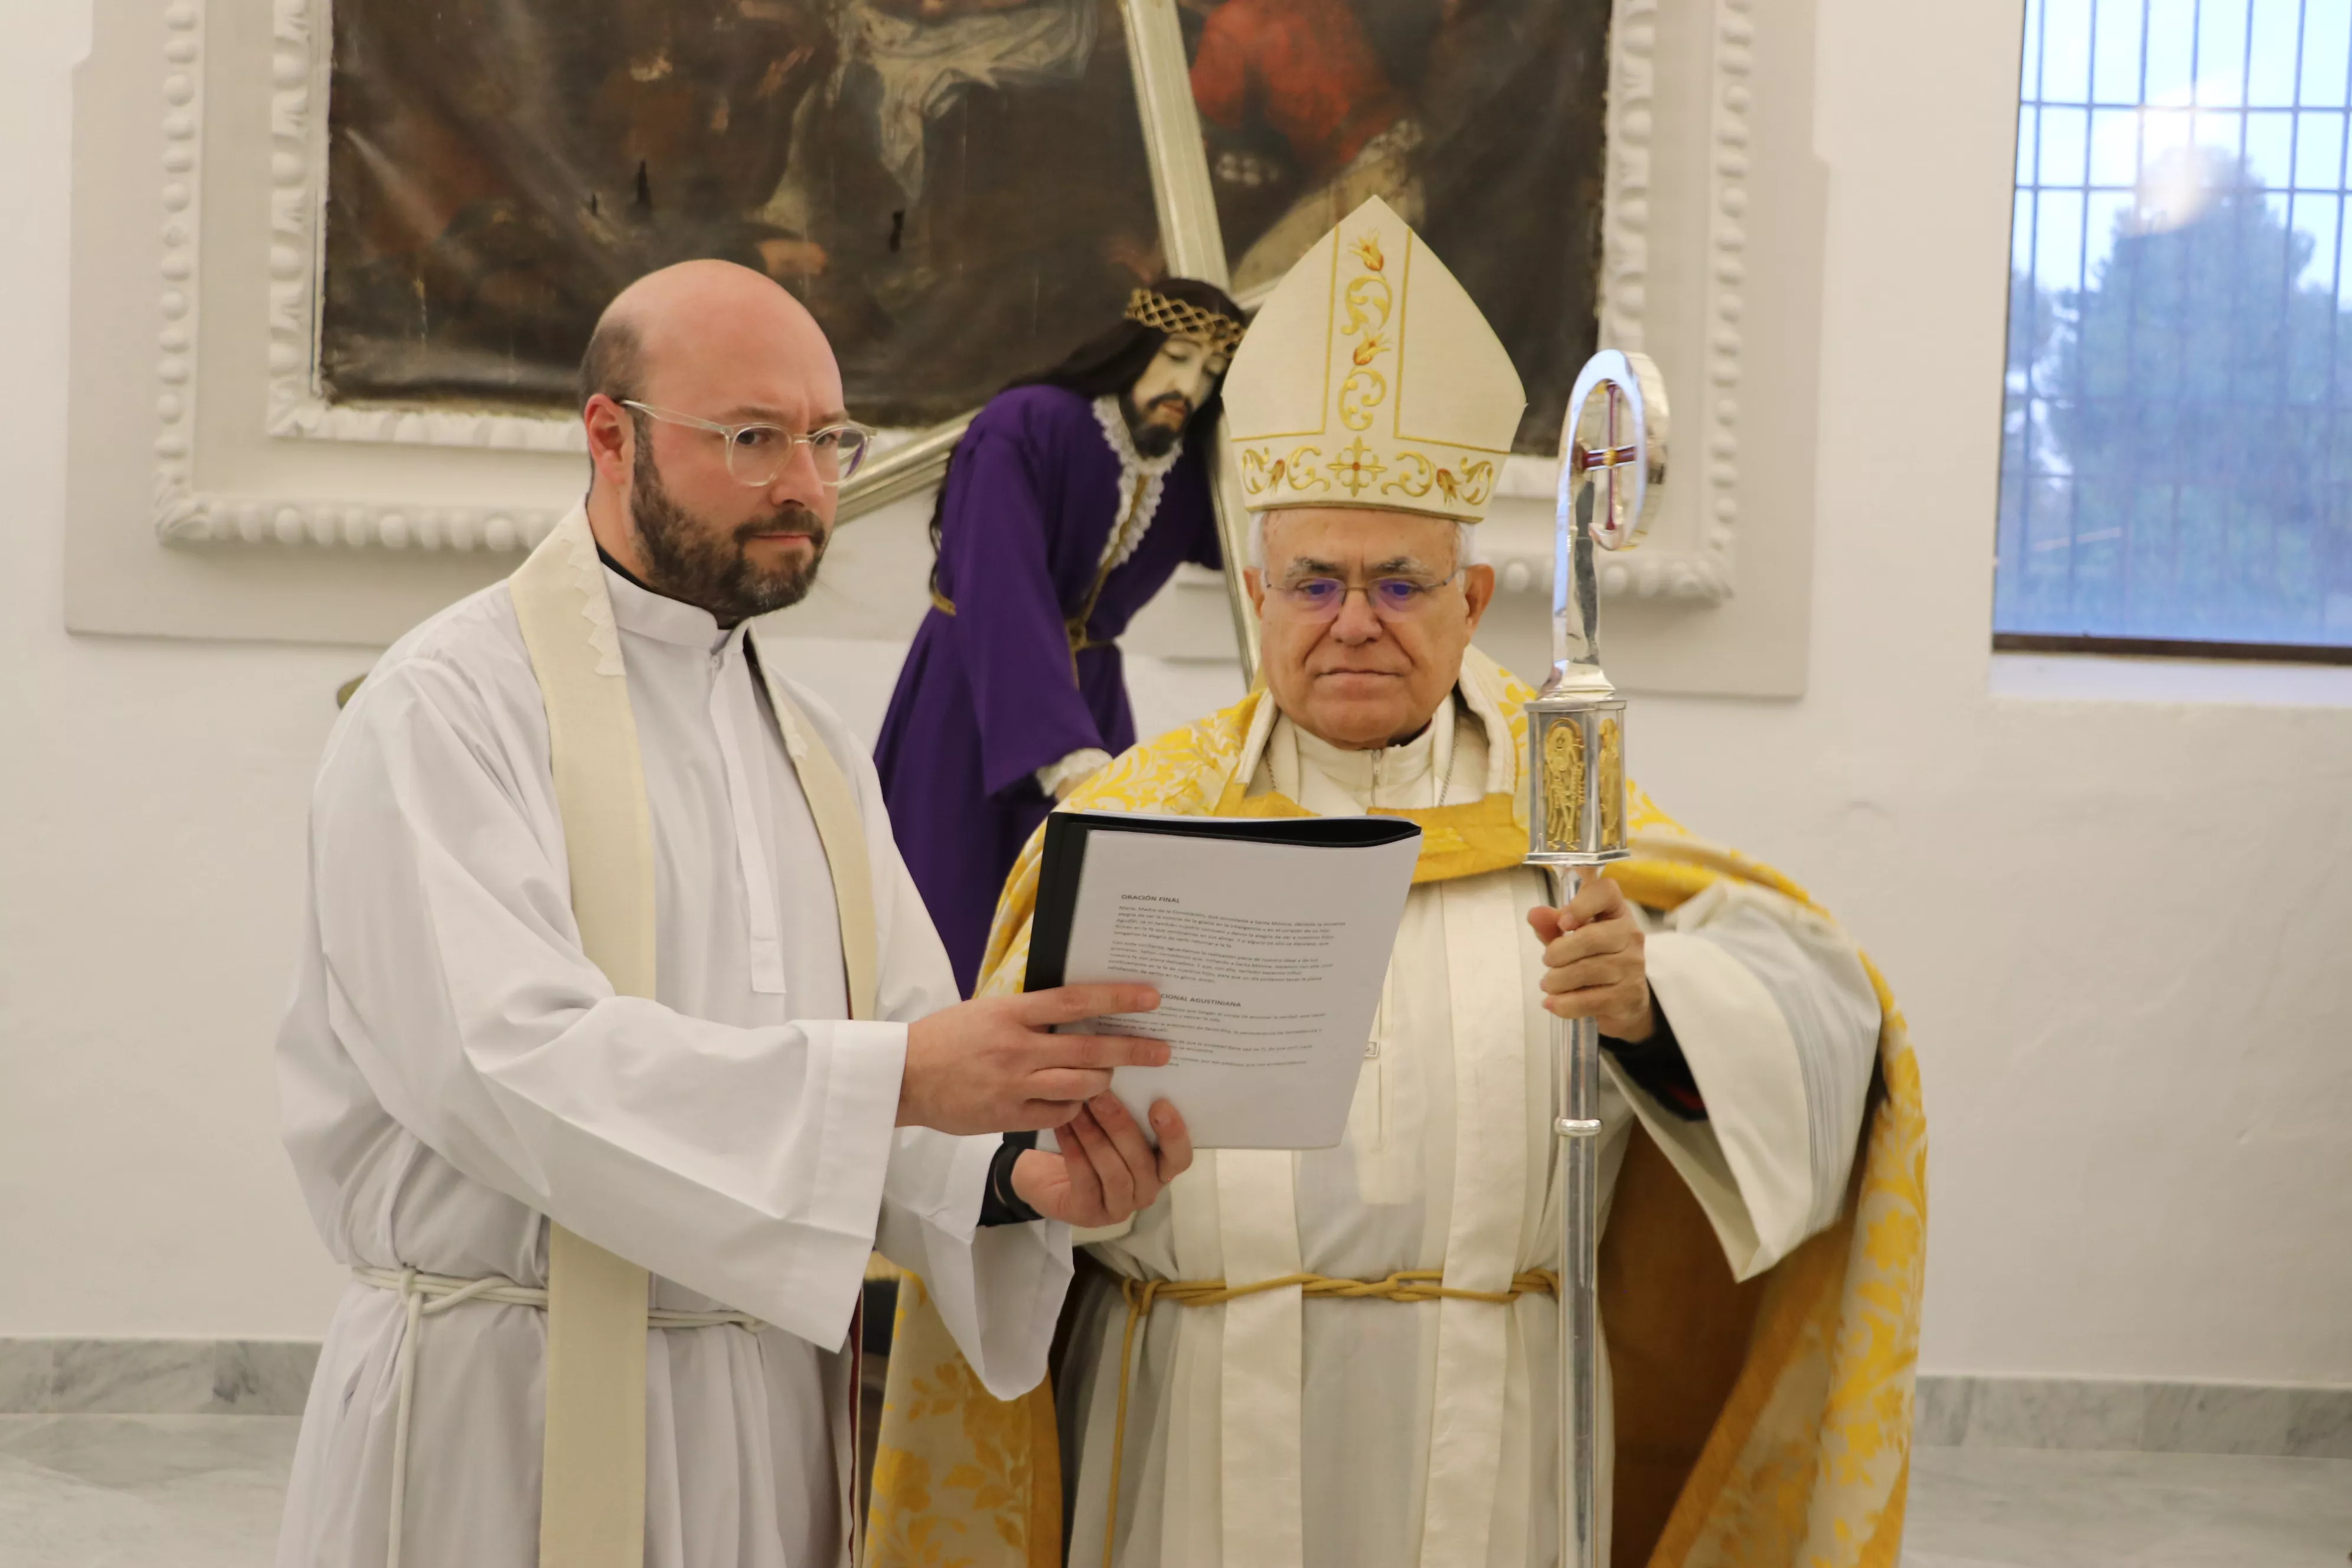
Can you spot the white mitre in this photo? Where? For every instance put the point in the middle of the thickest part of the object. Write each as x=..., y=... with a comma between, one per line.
x=1369, y=378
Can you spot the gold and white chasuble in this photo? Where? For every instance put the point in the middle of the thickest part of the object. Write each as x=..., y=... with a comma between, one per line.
x=1277, y=1431
x=489, y=1063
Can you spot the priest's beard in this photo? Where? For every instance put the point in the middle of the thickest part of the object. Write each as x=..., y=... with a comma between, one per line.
x=1151, y=438
x=702, y=564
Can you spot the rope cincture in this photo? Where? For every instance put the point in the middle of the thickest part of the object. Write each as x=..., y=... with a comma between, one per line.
x=427, y=1296
x=1404, y=1285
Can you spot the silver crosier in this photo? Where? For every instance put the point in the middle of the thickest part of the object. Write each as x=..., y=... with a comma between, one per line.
x=1613, y=468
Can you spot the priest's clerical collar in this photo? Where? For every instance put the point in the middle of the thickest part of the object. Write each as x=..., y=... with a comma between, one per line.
x=612, y=564
x=1381, y=770
x=649, y=612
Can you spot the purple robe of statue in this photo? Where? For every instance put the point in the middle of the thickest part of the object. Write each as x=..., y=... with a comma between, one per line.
x=987, y=696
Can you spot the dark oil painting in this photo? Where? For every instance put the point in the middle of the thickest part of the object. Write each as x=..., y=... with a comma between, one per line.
x=957, y=188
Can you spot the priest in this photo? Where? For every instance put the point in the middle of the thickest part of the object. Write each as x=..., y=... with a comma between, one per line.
x=622, y=1039
x=1346, y=1356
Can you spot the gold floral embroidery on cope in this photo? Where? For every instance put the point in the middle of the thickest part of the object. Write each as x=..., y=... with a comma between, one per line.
x=1261, y=472
x=959, y=1483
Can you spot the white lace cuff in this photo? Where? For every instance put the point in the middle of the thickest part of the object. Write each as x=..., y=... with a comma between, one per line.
x=1058, y=779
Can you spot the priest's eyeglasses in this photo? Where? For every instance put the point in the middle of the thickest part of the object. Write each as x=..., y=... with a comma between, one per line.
x=1391, y=599
x=757, y=453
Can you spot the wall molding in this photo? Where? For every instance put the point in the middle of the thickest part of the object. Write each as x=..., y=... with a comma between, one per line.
x=234, y=519
x=176, y=504
x=1727, y=200
x=1704, y=458
x=302, y=63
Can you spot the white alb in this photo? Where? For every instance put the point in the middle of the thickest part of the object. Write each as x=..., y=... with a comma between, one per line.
x=454, y=1070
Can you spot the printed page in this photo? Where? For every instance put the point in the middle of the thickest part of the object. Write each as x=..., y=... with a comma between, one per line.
x=1269, y=960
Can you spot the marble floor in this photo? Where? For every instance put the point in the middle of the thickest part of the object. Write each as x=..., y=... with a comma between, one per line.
x=2038, y=1508
x=160, y=1491
x=201, y=1492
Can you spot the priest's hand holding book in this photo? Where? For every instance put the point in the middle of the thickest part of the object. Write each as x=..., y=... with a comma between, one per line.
x=995, y=1065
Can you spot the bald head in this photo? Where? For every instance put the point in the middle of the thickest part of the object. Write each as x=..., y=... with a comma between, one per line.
x=696, y=345
x=694, y=312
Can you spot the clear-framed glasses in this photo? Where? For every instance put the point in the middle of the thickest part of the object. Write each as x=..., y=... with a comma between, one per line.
x=757, y=453
x=1391, y=599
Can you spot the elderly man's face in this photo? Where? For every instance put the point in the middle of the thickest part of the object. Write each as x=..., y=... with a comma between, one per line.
x=1369, y=671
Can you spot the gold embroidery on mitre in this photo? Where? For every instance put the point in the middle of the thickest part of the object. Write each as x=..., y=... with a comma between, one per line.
x=1477, y=482
x=1258, y=475
x=1371, y=345
x=1367, y=301
x=1356, y=468
x=1421, y=475
x=1362, y=391
x=1262, y=472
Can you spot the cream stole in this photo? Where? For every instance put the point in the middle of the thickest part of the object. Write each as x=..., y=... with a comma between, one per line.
x=593, y=1497
x=1252, y=1223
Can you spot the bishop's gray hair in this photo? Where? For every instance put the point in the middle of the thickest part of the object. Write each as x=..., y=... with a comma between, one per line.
x=1465, y=542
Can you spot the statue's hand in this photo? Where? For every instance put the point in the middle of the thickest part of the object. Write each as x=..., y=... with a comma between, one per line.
x=1593, y=963
x=1059, y=780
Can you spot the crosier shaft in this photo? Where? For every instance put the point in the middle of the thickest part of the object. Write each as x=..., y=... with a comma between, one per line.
x=1576, y=1099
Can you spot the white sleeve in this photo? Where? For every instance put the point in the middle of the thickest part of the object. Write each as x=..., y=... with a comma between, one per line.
x=745, y=1164
x=1777, y=1017
x=999, y=1290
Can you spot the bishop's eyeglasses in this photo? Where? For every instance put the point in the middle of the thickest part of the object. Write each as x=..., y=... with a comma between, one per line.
x=1393, y=598
x=757, y=453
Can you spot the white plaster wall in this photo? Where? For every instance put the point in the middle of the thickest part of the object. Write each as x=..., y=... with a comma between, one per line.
x=2117, y=924
x=2118, y=928
x=150, y=860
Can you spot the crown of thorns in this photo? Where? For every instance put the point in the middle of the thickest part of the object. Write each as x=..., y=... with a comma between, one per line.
x=1182, y=318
